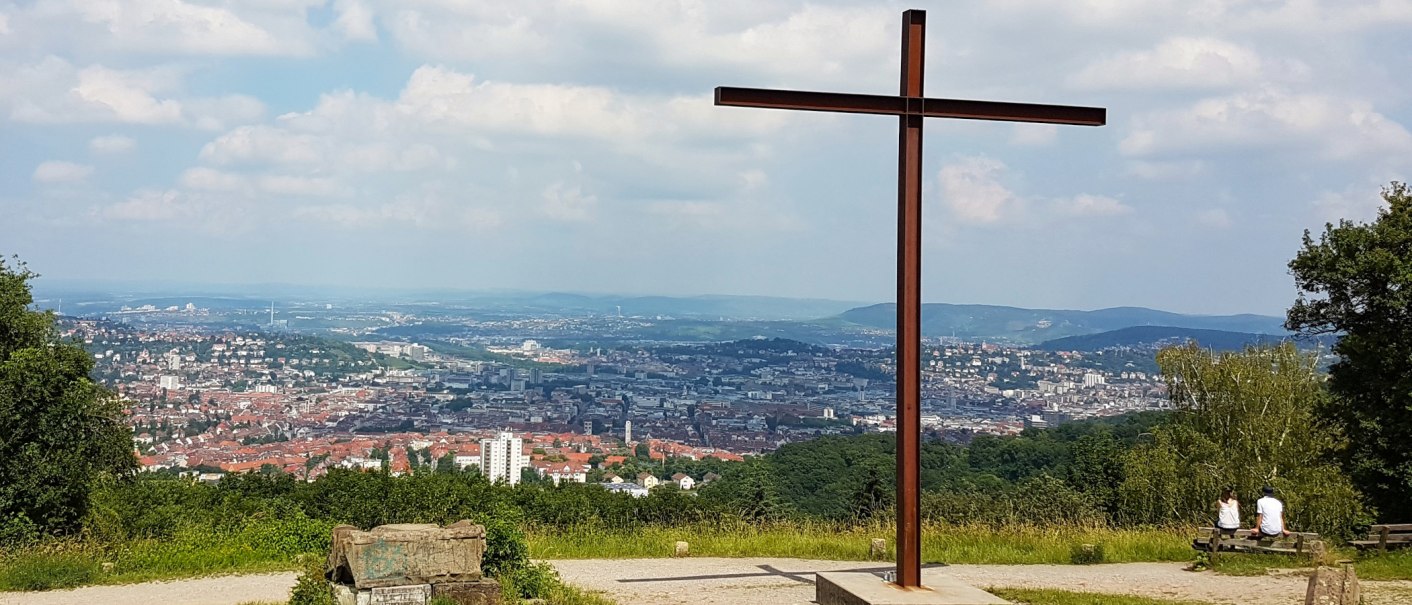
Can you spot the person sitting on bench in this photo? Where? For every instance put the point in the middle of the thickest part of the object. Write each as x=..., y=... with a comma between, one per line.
x=1269, y=517
x=1228, y=513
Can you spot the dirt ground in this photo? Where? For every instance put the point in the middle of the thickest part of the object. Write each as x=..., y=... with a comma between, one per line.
x=715, y=581
x=778, y=581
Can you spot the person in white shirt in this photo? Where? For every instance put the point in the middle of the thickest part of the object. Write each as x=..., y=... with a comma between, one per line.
x=1269, y=516
x=1228, y=513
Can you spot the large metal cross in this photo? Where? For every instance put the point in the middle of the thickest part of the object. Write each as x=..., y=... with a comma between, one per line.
x=911, y=106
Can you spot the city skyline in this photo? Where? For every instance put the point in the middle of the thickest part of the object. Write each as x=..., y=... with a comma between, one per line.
x=468, y=146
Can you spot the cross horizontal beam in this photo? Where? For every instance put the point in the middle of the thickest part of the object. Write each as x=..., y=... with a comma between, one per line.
x=897, y=106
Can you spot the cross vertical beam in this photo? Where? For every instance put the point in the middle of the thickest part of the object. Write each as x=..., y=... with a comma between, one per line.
x=912, y=108
x=909, y=304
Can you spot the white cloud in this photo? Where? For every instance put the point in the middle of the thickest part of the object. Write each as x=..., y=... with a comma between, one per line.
x=355, y=21
x=754, y=178
x=1092, y=205
x=112, y=144
x=263, y=144
x=811, y=42
x=971, y=190
x=1185, y=63
x=207, y=179
x=284, y=185
x=418, y=210
x=693, y=210
x=4, y=24
x=1356, y=203
x=438, y=95
x=1216, y=218
x=127, y=96
x=150, y=205
x=1034, y=135
x=567, y=203
x=439, y=106
x=1333, y=127
x=727, y=217
x=220, y=113
x=176, y=26
x=1160, y=170
x=61, y=172
x=1281, y=16
x=53, y=91
x=338, y=150
x=287, y=185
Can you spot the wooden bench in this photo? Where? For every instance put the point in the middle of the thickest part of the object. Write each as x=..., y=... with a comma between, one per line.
x=1384, y=537
x=1296, y=543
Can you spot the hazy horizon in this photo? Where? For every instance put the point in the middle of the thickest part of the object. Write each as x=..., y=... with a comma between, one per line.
x=48, y=290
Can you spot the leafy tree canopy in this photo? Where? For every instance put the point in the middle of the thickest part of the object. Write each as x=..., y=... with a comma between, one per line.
x=59, y=431
x=1356, y=280
x=1244, y=420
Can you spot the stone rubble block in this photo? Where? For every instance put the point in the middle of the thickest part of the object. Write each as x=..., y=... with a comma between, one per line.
x=406, y=554
x=484, y=592
x=1333, y=586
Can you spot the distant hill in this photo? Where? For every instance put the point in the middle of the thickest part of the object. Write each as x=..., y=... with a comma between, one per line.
x=82, y=298
x=1219, y=340
x=1031, y=326
x=687, y=307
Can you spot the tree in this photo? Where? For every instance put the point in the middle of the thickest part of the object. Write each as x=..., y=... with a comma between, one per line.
x=59, y=431
x=446, y=463
x=1356, y=280
x=1246, y=420
x=748, y=490
x=873, y=494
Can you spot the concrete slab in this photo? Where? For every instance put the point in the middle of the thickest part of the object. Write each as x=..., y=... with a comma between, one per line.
x=843, y=588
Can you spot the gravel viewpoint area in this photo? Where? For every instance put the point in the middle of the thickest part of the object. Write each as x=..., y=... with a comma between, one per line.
x=215, y=590
x=711, y=581
x=717, y=581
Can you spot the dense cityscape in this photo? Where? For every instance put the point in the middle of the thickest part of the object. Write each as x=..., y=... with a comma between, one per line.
x=208, y=399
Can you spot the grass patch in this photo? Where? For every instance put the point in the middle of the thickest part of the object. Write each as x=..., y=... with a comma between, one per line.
x=71, y=564
x=1030, y=596
x=47, y=570
x=1251, y=564
x=1370, y=566
x=565, y=594
x=1391, y=566
x=940, y=544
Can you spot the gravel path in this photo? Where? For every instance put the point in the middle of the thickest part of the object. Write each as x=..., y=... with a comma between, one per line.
x=708, y=581
x=714, y=581
x=215, y=590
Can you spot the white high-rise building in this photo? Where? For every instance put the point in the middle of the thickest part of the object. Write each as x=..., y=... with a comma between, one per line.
x=627, y=431
x=171, y=383
x=502, y=458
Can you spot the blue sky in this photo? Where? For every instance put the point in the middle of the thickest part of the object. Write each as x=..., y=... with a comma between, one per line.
x=572, y=145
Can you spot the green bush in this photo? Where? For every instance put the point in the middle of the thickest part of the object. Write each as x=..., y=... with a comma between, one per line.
x=506, y=549
x=47, y=571
x=311, y=588
x=1087, y=554
x=530, y=581
x=288, y=537
x=17, y=531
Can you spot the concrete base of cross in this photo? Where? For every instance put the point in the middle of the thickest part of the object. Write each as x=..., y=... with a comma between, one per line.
x=848, y=588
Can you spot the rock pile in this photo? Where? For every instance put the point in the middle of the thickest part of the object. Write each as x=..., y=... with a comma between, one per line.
x=409, y=564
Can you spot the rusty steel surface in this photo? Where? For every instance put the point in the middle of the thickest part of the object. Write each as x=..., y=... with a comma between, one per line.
x=804, y=100
x=912, y=107
x=909, y=307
